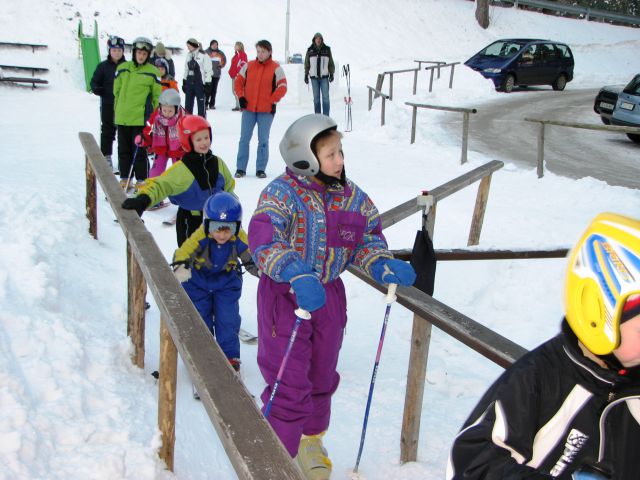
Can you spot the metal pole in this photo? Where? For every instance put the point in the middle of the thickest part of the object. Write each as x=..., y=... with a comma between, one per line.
x=286, y=37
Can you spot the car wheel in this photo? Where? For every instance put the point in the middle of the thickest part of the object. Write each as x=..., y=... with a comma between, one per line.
x=508, y=83
x=634, y=137
x=606, y=121
x=560, y=82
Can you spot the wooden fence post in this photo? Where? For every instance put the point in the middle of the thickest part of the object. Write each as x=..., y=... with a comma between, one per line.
x=382, y=110
x=167, y=394
x=417, y=372
x=465, y=136
x=415, y=81
x=414, y=116
x=370, y=99
x=390, y=86
x=541, y=151
x=478, y=211
x=137, y=291
x=91, y=199
x=453, y=65
x=431, y=81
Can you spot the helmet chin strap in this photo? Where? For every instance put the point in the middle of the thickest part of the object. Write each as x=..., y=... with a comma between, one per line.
x=332, y=181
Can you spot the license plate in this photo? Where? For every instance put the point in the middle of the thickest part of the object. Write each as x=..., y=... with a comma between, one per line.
x=606, y=105
x=626, y=105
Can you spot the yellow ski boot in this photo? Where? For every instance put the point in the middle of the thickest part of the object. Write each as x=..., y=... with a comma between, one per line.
x=312, y=458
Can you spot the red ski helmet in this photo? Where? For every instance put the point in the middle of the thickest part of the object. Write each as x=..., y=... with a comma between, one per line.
x=187, y=126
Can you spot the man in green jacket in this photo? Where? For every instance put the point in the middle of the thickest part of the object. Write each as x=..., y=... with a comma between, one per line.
x=136, y=90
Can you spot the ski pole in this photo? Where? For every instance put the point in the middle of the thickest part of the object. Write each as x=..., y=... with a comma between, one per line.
x=300, y=315
x=133, y=162
x=389, y=299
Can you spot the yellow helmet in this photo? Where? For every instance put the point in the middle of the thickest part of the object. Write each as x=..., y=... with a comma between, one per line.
x=604, y=270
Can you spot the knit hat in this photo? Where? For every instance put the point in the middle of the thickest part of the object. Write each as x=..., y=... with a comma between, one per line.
x=631, y=308
x=193, y=42
x=161, y=62
x=161, y=49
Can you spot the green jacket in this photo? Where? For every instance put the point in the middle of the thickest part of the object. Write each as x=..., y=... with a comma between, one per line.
x=134, y=84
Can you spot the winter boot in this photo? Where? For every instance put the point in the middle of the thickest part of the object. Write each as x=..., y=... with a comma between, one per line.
x=124, y=183
x=312, y=458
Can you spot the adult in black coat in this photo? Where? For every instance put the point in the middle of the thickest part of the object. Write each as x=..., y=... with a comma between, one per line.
x=102, y=85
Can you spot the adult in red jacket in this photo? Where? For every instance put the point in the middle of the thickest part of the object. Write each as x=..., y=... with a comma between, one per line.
x=259, y=85
x=238, y=61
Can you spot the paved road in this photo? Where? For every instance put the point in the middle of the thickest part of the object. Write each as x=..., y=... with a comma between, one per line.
x=499, y=131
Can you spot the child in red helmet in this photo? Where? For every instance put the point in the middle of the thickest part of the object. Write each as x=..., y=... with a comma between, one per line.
x=189, y=182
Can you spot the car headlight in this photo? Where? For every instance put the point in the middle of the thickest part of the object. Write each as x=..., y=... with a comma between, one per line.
x=492, y=70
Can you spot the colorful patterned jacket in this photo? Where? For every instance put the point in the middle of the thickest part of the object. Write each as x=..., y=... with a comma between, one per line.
x=160, y=134
x=327, y=228
x=262, y=84
x=189, y=182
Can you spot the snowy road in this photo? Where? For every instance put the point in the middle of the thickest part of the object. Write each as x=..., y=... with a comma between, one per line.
x=499, y=130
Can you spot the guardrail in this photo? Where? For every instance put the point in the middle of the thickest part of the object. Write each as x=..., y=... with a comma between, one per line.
x=577, y=10
x=585, y=126
x=384, y=96
x=391, y=73
x=465, y=122
x=251, y=445
x=438, y=67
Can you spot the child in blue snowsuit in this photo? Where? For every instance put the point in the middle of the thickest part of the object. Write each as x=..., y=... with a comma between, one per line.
x=310, y=224
x=207, y=266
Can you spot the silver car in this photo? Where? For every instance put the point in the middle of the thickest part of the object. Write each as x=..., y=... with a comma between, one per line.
x=627, y=111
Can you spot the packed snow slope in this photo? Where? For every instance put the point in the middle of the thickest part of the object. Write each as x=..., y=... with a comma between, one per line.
x=71, y=403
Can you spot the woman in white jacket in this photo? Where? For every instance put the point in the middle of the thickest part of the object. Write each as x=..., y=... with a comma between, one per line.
x=197, y=77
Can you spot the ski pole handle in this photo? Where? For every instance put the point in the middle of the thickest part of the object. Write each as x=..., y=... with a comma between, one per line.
x=391, y=294
x=302, y=313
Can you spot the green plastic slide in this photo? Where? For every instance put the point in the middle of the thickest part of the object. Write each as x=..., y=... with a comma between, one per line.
x=90, y=52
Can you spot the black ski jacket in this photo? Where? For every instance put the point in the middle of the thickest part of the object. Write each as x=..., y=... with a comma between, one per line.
x=553, y=410
x=102, y=80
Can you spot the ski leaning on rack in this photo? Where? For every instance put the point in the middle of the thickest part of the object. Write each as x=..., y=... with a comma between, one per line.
x=346, y=73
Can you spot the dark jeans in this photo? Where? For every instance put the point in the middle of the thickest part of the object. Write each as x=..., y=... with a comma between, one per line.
x=186, y=224
x=194, y=91
x=126, y=151
x=211, y=99
x=107, y=129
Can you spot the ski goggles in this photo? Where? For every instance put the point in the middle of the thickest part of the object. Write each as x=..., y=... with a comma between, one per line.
x=211, y=226
x=115, y=42
x=142, y=46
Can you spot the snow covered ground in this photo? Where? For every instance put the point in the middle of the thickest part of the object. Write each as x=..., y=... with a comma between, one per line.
x=71, y=403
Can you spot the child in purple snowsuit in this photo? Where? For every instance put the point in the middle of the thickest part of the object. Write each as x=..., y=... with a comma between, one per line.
x=310, y=224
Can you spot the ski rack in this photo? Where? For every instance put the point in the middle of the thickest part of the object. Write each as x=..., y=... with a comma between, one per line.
x=253, y=449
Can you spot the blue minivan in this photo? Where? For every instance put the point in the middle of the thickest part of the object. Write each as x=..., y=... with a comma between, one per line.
x=524, y=62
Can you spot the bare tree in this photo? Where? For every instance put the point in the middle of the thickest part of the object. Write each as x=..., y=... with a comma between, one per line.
x=482, y=13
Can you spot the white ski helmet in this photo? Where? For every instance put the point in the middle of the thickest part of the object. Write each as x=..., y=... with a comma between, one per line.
x=295, y=146
x=170, y=97
x=142, y=43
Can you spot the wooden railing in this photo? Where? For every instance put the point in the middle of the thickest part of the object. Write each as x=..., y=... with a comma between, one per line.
x=585, y=126
x=251, y=445
x=465, y=122
x=384, y=96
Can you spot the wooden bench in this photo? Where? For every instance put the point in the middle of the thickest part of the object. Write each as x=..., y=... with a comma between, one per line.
x=33, y=70
x=32, y=81
x=32, y=46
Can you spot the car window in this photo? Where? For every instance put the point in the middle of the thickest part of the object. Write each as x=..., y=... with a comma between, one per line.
x=633, y=87
x=549, y=52
x=564, y=51
x=529, y=54
x=503, y=49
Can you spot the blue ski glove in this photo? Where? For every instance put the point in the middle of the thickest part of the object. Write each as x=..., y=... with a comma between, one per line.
x=309, y=290
x=391, y=270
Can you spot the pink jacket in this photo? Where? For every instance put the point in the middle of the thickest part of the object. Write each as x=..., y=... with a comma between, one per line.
x=237, y=62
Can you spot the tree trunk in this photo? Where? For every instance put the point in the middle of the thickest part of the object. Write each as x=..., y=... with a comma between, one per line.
x=482, y=13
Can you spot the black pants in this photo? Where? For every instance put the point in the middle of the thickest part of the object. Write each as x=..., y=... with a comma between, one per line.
x=186, y=224
x=127, y=149
x=211, y=99
x=194, y=91
x=107, y=129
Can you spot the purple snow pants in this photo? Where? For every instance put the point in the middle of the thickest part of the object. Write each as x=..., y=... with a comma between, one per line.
x=302, y=404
